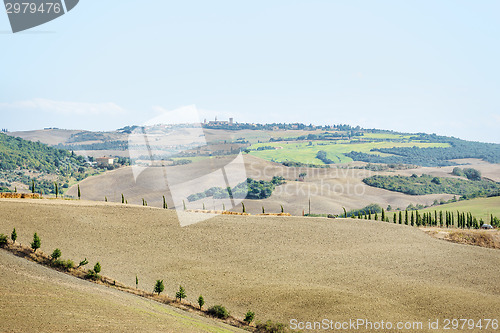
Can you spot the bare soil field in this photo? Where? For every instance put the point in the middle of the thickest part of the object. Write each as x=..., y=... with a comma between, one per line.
x=48, y=136
x=282, y=268
x=488, y=170
x=34, y=298
x=329, y=189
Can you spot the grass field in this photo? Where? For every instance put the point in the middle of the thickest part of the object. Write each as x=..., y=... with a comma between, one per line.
x=480, y=207
x=34, y=298
x=281, y=268
x=305, y=153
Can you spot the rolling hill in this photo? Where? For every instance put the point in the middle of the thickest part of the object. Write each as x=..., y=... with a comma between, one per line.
x=329, y=189
x=34, y=298
x=281, y=268
x=481, y=208
x=23, y=161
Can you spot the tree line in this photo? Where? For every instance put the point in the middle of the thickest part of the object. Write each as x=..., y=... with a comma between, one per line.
x=249, y=189
x=448, y=219
x=430, y=157
x=427, y=184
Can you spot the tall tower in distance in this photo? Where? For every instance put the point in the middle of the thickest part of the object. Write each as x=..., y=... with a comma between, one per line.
x=230, y=121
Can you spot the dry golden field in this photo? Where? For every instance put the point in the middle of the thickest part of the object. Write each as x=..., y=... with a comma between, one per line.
x=329, y=189
x=282, y=268
x=34, y=298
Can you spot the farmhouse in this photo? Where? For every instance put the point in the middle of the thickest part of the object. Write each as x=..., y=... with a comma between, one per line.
x=104, y=161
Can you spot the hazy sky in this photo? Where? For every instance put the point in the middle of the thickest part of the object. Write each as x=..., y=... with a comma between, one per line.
x=417, y=66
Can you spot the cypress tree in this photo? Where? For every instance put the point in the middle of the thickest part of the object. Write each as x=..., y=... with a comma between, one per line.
x=123, y=199
x=201, y=301
x=395, y=218
x=383, y=215
x=412, y=218
x=406, y=217
x=376, y=217
x=79, y=193
x=400, y=217
x=57, y=190
x=36, y=242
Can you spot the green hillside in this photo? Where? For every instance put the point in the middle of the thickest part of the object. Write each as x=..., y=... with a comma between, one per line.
x=427, y=184
x=482, y=208
x=374, y=146
x=22, y=162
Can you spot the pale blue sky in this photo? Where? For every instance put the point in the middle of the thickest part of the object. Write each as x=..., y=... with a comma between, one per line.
x=430, y=66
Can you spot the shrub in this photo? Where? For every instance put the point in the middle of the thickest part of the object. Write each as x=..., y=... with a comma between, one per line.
x=201, y=301
x=249, y=317
x=13, y=235
x=159, y=287
x=180, y=294
x=270, y=327
x=3, y=240
x=472, y=174
x=65, y=264
x=436, y=180
x=83, y=262
x=93, y=274
x=56, y=254
x=35, y=245
x=458, y=172
x=218, y=311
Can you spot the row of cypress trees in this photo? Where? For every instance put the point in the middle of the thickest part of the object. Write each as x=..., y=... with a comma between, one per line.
x=462, y=220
